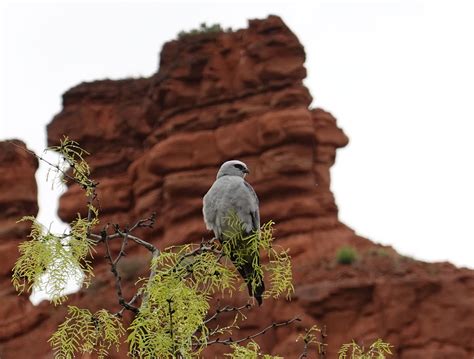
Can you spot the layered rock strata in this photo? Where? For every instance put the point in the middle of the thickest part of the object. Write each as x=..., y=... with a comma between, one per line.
x=156, y=144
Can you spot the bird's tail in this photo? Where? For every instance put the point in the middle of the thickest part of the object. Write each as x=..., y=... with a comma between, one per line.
x=254, y=280
x=252, y=277
x=257, y=292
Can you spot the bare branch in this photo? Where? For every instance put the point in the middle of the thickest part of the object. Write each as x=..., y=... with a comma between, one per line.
x=122, y=249
x=147, y=222
x=118, y=283
x=226, y=309
x=121, y=234
x=125, y=236
x=230, y=341
x=322, y=346
x=130, y=302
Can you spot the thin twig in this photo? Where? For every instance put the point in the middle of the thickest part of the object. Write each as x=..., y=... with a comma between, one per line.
x=147, y=222
x=170, y=309
x=310, y=338
x=226, y=309
x=137, y=240
x=68, y=176
x=118, y=283
x=323, y=345
x=230, y=341
x=90, y=199
x=304, y=354
x=43, y=159
x=122, y=249
x=130, y=302
x=204, y=246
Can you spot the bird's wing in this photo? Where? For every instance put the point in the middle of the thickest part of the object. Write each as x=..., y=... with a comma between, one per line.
x=229, y=194
x=255, y=213
x=245, y=203
x=209, y=208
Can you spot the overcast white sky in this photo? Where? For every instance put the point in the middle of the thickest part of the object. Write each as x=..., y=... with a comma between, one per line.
x=398, y=76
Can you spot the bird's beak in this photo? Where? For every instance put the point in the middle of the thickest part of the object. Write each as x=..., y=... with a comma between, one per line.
x=246, y=171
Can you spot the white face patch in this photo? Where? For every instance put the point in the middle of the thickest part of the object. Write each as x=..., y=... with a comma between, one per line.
x=233, y=168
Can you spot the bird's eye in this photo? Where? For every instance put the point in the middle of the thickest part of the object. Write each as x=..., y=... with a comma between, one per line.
x=240, y=167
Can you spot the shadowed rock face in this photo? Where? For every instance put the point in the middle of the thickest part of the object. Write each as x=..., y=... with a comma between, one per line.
x=157, y=144
x=18, y=194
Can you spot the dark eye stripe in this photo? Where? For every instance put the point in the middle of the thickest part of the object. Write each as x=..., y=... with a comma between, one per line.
x=239, y=166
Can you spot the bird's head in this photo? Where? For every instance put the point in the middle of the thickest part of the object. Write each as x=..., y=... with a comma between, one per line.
x=233, y=168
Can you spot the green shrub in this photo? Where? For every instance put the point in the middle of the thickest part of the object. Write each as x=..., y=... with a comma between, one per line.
x=203, y=29
x=346, y=255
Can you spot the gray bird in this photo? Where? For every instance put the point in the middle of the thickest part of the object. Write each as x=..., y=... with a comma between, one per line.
x=230, y=193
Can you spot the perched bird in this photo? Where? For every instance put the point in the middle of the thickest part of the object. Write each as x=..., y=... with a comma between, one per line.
x=230, y=193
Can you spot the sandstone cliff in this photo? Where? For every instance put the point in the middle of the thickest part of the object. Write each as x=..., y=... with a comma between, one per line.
x=156, y=145
x=18, y=194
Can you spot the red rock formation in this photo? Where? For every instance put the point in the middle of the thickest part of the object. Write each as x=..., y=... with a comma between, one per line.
x=157, y=144
x=17, y=199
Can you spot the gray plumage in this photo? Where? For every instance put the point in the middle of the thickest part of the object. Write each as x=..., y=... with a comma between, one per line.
x=231, y=193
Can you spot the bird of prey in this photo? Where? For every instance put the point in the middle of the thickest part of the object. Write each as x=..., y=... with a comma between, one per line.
x=230, y=193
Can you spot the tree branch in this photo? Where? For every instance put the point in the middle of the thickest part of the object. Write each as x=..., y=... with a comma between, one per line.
x=122, y=249
x=230, y=341
x=322, y=346
x=118, y=283
x=170, y=310
x=226, y=309
x=310, y=338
